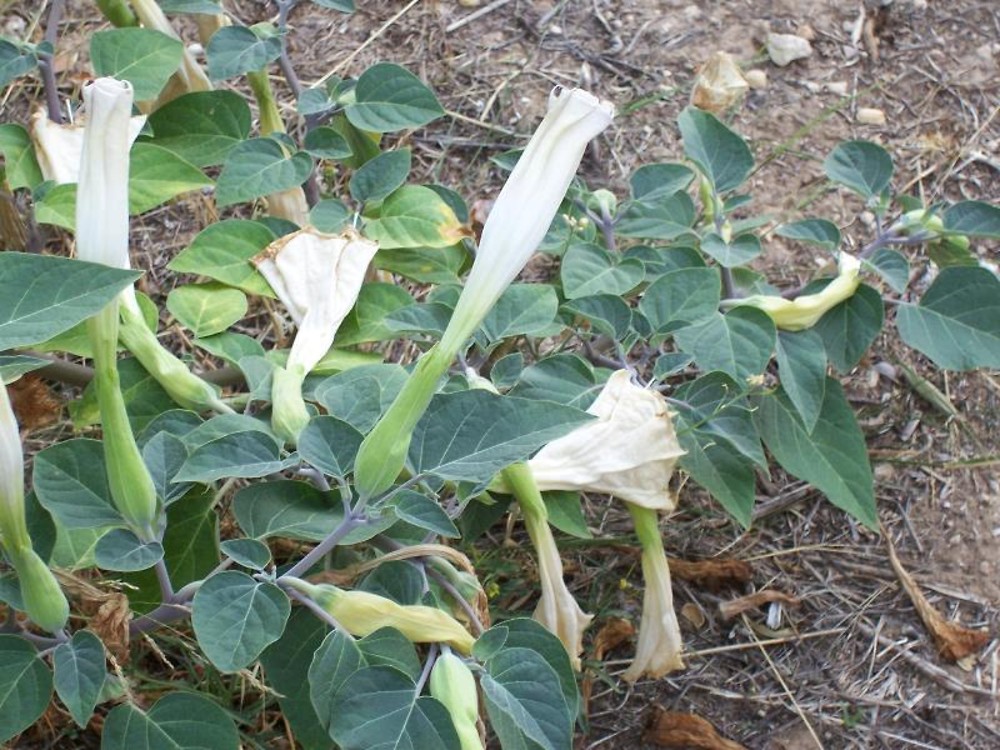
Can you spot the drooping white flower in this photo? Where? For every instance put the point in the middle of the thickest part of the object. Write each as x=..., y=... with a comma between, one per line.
x=628, y=452
x=58, y=147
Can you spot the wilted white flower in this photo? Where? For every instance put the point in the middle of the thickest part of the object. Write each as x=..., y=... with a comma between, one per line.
x=720, y=84
x=628, y=452
x=58, y=147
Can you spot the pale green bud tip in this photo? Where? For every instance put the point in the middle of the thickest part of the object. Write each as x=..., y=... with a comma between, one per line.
x=44, y=601
x=289, y=415
x=453, y=684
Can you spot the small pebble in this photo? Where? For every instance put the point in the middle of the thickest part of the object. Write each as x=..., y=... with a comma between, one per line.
x=756, y=78
x=870, y=116
x=784, y=49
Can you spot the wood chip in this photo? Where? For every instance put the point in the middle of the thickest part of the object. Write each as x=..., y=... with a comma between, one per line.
x=684, y=731
x=736, y=607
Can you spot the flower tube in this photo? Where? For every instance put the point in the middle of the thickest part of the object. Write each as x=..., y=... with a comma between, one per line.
x=102, y=237
x=43, y=600
x=318, y=277
x=519, y=220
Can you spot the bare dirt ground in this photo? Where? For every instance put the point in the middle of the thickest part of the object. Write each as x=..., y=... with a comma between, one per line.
x=846, y=662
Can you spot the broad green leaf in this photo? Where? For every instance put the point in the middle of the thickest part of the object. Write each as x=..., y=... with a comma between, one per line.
x=15, y=61
x=861, y=166
x=718, y=467
x=471, y=435
x=144, y=398
x=802, y=369
x=242, y=454
x=13, y=366
x=402, y=582
x=721, y=154
x=57, y=205
x=652, y=182
x=234, y=50
x=736, y=252
x=387, y=647
x=330, y=216
x=231, y=346
x=333, y=661
x=849, y=328
x=286, y=662
x=522, y=309
x=892, y=266
x=204, y=7
x=389, y=98
x=422, y=512
x=344, y=6
x=121, y=550
x=588, y=270
x=565, y=511
x=379, y=708
x=236, y=617
x=424, y=265
x=207, y=309
x=324, y=142
x=658, y=218
x=524, y=701
x=43, y=295
x=820, y=232
x=832, y=457
x=247, y=552
x=259, y=167
x=366, y=322
x=21, y=167
x=157, y=174
x=359, y=396
x=178, y=721
x=661, y=260
x=380, y=176
x=25, y=686
x=739, y=343
x=80, y=672
x=563, y=378
x=330, y=445
x=714, y=405
x=608, y=313
x=957, y=322
x=415, y=216
x=223, y=252
x=202, y=127
x=681, y=298
x=143, y=57
x=974, y=219
x=71, y=484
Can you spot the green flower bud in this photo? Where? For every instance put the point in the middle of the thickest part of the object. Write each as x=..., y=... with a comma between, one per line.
x=44, y=601
x=452, y=683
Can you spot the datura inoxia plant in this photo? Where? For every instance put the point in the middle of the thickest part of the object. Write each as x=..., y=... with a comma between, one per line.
x=282, y=470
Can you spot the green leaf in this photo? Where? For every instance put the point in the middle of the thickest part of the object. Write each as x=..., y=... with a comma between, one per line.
x=330, y=444
x=471, y=435
x=718, y=467
x=716, y=407
x=818, y=232
x=861, y=166
x=57, y=206
x=802, y=369
x=680, y=298
x=143, y=57
x=738, y=343
x=424, y=265
x=43, y=295
x=379, y=708
x=247, y=552
x=387, y=647
x=223, y=251
x=242, y=454
x=285, y=662
x=156, y=175
x=892, y=266
x=121, y=550
x=202, y=127
x=366, y=322
x=206, y=308
x=15, y=61
x=522, y=309
x=719, y=153
x=144, y=398
x=524, y=701
x=587, y=270
x=848, y=329
x=380, y=176
x=231, y=346
x=336, y=659
x=832, y=456
x=259, y=167
x=204, y=7
x=79, y=674
x=22, y=169
x=178, y=721
x=234, y=50
x=608, y=313
x=563, y=378
x=71, y=484
x=736, y=252
x=957, y=322
x=973, y=219
x=236, y=617
x=25, y=686
x=565, y=509
x=389, y=98
x=324, y=142
x=330, y=216
x=660, y=218
x=361, y=395
x=422, y=512
x=223, y=425
x=415, y=216
x=652, y=182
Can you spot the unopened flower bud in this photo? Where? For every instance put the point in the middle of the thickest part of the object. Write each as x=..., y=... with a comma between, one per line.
x=453, y=684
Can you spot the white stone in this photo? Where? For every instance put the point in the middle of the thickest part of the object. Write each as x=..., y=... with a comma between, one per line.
x=784, y=49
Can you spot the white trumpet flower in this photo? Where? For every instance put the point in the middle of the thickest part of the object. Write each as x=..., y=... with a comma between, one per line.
x=318, y=277
x=58, y=147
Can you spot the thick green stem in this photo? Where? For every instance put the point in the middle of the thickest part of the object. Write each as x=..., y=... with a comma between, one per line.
x=132, y=488
x=270, y=117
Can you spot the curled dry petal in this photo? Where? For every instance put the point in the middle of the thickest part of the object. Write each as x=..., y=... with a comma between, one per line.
x=628, y=452
x=720, y=84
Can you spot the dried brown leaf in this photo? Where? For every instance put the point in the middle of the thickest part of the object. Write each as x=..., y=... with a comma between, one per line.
x=684, y=731
x=33, y=402
x=713, y=575
x=694, y=615
x=612, y=634
x=110, y=624
x=736, y=607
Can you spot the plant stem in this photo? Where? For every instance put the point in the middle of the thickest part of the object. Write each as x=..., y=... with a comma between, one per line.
x=163, y=578
x=45, y=63
x=316, y=609
x=356, y=520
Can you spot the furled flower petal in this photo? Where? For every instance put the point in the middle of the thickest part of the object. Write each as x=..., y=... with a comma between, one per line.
x=58, y=148
x=189, y=76
x=628, y=452
x=806, y=310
